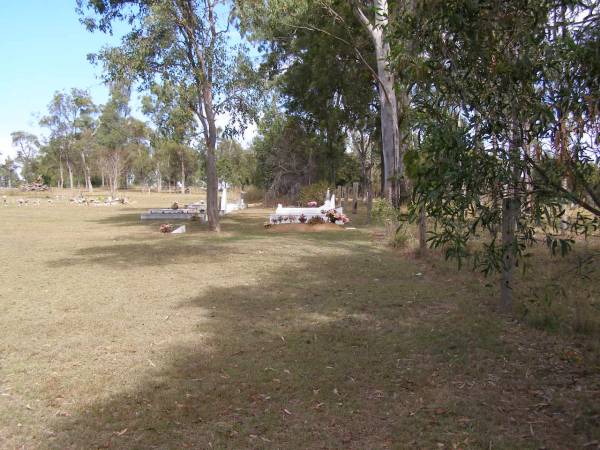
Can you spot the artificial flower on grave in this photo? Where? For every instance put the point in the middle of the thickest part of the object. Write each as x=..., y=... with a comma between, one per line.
x=333, y=216
x=166, y=228
x=302, y=218
x=311, y=204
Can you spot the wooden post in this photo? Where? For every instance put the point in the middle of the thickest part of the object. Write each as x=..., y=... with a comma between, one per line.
x=369, y=205
x=422, y=231
x=354, y=198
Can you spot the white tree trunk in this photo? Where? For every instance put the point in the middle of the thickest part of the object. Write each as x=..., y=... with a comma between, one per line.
x=70, y=170
x=390, y=134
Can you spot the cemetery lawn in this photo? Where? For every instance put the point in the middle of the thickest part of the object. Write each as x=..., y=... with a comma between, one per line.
x=113, y=335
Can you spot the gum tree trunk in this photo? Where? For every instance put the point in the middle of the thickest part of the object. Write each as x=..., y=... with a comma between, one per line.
x=86, y=173
x=182, y=175
x=390, y=134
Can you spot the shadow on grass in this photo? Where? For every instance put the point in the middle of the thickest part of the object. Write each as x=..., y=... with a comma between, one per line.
x=157, y=249
x=328, y=355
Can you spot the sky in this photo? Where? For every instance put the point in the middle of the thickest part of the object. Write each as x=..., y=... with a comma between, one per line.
x=43, y=49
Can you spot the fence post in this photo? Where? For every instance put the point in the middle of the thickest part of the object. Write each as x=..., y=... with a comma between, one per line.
x=354, y=197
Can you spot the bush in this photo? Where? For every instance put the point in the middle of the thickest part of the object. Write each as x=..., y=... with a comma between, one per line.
x=383, y=212
x=314, y=192
x=254, y=195
x=315, y=220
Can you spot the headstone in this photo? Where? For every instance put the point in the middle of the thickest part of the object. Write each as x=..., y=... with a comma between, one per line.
x=179, y=230
x=224, y=199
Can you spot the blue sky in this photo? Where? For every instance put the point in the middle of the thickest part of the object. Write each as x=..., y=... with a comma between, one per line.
x=43, y=49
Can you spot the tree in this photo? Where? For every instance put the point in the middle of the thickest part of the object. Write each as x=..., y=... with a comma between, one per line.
x=185, y=42
x=71, y=123
x=8, y=173
x=113, y=134
x=235, y=165
x=27, y=145
x=287, y=154
x=488, y=114
x=337, y=30
x=175, y=126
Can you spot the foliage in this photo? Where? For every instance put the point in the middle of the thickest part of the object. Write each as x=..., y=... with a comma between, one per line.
x=320, y=77
x=499, y=125
x=314, y=192
x=253, y=194
x=235, y=165
x=186, y=44
x=27, y=145
x=383, y=212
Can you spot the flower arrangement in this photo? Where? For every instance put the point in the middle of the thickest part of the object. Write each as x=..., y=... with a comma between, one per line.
x=302, y=218
x=335, y=216
x=312, y=204
x=166, y=228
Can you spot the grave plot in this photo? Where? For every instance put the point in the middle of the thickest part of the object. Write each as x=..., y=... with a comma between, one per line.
x=326, y=213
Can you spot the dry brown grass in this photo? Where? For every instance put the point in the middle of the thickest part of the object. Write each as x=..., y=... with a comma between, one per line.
x=116, y=336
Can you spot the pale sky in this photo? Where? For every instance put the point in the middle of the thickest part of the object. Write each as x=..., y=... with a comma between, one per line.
x=43, y=49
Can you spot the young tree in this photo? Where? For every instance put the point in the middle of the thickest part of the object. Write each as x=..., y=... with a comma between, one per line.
x=185, y=42
x=27, y=145
x=487, y=106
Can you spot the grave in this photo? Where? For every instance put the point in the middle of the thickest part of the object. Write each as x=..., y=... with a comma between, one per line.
x=226, y=207
x=292, y=215
x=189, y=212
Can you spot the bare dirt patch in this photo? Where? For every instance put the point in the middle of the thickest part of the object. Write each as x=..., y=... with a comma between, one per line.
x=304, y=228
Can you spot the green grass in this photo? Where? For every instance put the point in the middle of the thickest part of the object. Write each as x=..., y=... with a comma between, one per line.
x=116, y=336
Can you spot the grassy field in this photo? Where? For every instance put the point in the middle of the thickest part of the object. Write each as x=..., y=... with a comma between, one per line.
x=114, y=335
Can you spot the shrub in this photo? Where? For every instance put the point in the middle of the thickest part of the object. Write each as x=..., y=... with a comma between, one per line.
x=254, y=195
x=315, y=220
x=383, y=212
x=314, y=192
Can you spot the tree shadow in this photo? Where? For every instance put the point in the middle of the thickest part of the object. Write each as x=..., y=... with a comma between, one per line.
x=275, y=372
x=324, y=354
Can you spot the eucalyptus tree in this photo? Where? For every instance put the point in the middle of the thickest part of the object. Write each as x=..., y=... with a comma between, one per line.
x=186, y=42
x=235, y=165
x=112, y=134
x=174, y=123
x=352, y=34
x=8, y=172
x=71, y=121
x=27, y=145
x=488, y=119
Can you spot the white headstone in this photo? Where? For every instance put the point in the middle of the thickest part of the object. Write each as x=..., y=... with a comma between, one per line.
x=179, y=230
x=224, y=199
